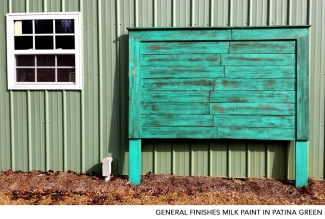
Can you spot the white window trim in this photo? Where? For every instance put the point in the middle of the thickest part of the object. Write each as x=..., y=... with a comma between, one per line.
x=11, y=72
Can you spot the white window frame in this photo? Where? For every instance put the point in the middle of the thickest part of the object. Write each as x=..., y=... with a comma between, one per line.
x=11, y=52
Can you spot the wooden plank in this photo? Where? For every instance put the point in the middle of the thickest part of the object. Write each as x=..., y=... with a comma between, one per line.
x=301, y=163
x=134, y=88
x=256, y=84
x=135, y=161
x=269, y=34
x=256, y=133
x=254, y=121
x=175, y=96
x=177, y=120
x=258, y=59
x=283, y=109
x=260, y=71
x=175, y=108
x=184, y=47
x=179, y=132
x=302, y=89
x=184, y=35
x=252, y=96
x=178, y=84
x=193, y=60
x=213, y=70
x=256, y=47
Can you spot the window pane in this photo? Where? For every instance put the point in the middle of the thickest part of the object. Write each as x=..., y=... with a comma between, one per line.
x=25, y=75
x=43, y=26
x=64, y=26
x=23, y=27
x=45, y=75
x=66, y=60
x=44, y=42
x=23, y=42
x=45, y=60
x=64, y=42
x=66, y=75
x=25, y=60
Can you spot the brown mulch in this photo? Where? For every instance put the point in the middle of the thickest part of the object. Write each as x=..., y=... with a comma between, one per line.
x=70, y=188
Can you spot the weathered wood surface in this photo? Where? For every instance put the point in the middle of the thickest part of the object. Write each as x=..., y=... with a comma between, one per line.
x=256, y=84
x=214, y=47
x=134, y=87
x=220, y=132
x=185, y=35
x=178, y=120
x=178, y=84
x=251, y=96
x=266, y=47
x=260, y=72
x=253, y=109
x=212, y=71
x=189, y=60
x=233, y=83
x=175, y=108
x=302, y=89
x=175, y=96
x=269, y=34
x=258, y=59
x=252, y=132
x=255, y=121
x=228, y=83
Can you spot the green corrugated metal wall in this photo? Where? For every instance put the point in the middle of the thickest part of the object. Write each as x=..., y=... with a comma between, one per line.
x=74, y=130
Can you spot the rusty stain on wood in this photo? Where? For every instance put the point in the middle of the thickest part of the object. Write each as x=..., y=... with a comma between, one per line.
x=154, y=47
x=268, y=108
x=194, y=60
x=230, y=83
x=220, y=109
x=237, y=101
x=199, y=83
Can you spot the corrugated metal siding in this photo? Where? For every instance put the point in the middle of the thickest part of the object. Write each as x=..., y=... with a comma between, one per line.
x=317, y=88
x=64, y=130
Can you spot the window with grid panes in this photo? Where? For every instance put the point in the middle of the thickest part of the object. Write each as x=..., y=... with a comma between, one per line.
x=43, y=51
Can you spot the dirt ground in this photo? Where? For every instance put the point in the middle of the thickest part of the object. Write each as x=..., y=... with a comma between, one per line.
x=69, y=188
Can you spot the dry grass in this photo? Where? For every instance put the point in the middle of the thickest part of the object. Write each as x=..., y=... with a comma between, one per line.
x=69, y=188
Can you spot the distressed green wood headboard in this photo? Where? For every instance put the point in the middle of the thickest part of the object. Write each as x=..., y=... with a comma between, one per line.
x=219, y=83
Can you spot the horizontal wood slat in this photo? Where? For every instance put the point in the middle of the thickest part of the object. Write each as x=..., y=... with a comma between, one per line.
x=194, y=60
x=255, y=47
x=178, y=120
x=178, y=84
x=258, y=59
x=254, y=121
x=221, y=132
x=184, y=47
x=184, y=35
x=260, y=71
x=175, y=108
x=256, y=84
x=253, y=108
x=232, y=96
x=179, y=132
x=213, y=71
x=256, y=133
x=175, y=96
x=269, y=34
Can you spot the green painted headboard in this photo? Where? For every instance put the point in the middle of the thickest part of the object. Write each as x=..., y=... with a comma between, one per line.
x=219, y=83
